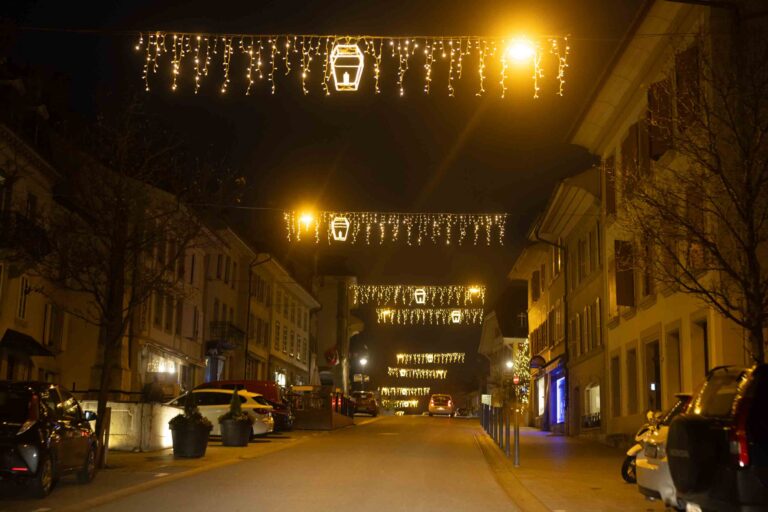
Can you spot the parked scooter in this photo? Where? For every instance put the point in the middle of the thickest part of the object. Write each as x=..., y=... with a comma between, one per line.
x=628, y=468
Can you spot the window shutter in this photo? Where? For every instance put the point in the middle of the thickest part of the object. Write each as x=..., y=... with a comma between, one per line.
x=688, y=88
x=625, y=275
x=659, y=118
x=609, y=166
x=629, y=161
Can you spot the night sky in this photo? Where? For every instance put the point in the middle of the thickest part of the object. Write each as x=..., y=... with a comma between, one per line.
x=358, y=151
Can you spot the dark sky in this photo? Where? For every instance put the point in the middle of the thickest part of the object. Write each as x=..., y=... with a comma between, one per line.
x=357, y=151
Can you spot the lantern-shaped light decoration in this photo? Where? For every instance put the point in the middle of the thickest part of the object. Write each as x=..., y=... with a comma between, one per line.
x=456, y=316
x=430, y=358
x=420, y=295
x=340, y=228
x=347, y=66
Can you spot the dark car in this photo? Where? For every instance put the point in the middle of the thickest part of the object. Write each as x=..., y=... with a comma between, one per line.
x=282, y=412
x=44, y=435
x=365, y=401
x=718, y=449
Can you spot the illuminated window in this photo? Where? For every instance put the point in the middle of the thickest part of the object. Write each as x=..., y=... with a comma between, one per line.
x=560, y=390
x=541, y=395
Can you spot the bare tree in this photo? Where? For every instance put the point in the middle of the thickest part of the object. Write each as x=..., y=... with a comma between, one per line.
x=700, y=214
x=125, y=221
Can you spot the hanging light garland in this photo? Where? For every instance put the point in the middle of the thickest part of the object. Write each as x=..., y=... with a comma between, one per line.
x=399, y=404
x=439, y=358
x=431, y=316
x=339, y=61
x=394, y=391
x=380, y=227
x=415, y=295
x=416, y=373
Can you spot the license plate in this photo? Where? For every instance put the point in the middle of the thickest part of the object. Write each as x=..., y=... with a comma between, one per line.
x=692, y=507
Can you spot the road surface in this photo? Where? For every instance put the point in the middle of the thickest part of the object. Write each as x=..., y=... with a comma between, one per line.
x=389, y=464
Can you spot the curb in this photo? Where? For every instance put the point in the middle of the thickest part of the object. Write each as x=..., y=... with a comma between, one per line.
x=503, y=472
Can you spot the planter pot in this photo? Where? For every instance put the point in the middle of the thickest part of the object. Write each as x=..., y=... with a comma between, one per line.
x=235, y=432
x=190, y=440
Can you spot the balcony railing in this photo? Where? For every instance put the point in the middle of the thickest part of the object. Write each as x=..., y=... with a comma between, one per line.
x=226, y=334
x=590, y=420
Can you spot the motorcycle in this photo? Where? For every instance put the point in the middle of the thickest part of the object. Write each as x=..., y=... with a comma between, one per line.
x=628, y=467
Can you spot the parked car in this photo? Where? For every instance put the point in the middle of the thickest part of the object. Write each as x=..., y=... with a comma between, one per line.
x=212, y=403
x=718, y=449
x=282, y=412
x=651, y=465
x=44, y=435
x=441, y=404
x=365, y=401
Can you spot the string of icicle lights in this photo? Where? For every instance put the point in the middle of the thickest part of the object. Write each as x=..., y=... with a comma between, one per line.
x=389, y=403
x=395, y=391
x=340, y=61
x=439, y=358
x=393, y=227
x=429, y=316
x=416, y=373
x=415, y=295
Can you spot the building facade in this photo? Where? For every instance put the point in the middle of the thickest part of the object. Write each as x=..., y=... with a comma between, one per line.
x=658, y=341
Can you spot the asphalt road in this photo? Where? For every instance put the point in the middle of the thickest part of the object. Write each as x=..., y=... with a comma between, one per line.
x=391, y=464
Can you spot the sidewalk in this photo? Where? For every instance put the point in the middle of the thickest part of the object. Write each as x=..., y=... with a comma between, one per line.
x=565, y=474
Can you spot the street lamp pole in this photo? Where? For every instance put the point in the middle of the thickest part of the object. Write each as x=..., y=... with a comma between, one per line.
x=254, y=263
x=363, y=362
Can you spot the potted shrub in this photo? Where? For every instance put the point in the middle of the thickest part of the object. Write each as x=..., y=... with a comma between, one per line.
x=236, y=425
x=190, y=431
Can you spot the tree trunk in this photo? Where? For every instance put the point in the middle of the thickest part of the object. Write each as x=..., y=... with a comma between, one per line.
x=757, y=344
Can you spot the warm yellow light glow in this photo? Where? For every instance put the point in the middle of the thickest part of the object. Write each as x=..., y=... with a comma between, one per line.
x=521, y=50
x=473, y=290
x=307, y=219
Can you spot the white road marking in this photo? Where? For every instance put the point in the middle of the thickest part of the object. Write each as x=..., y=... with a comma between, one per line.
x=158, y=475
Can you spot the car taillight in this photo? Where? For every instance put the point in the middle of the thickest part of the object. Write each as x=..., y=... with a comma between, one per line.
x=450, y=403
x=738, y=435
x=431, y=402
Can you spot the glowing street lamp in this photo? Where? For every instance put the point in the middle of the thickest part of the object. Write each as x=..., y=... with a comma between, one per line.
x=306, y=219
x=509, y=364
x=363, y=361
x=520, y=50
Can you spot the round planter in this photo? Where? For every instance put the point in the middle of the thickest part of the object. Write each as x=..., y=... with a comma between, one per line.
x=235, y=432
x=190, y=440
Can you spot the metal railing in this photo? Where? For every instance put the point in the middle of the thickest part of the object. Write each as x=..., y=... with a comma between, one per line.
x=496, y=423
x=590, y=420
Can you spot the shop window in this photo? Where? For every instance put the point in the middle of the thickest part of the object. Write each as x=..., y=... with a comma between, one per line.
x=541, y=389
x=591, y=406
x=560, y=399
x=615, y=386
x=653, y=375
x=632, y=381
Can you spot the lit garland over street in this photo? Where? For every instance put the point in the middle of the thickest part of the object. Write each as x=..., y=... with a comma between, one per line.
x=429, y=316
x=415, y=295
x=416, y=373
x=388, y=403
x=339, y=61
x=393, y=391
x=440, y=358
x=394, y=227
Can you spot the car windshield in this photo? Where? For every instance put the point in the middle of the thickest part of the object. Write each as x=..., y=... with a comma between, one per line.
x=441, y=399
x=261, y=400
x=14, y=405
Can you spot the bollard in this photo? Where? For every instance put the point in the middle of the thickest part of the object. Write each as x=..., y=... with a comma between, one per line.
x=506, y=430
x=517, y=440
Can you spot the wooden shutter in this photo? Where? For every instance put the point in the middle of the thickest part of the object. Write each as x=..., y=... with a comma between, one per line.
x=625, y=274
x=688, y=87
x=659, y=118
x=609, y=166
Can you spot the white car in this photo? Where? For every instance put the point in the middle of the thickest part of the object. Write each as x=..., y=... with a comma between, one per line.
x=652, y=468
x=441, y=404
x=212, y=403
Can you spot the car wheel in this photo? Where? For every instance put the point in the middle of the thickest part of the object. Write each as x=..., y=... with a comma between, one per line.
x=430, y=414
x=88, y=472
x=43, y=482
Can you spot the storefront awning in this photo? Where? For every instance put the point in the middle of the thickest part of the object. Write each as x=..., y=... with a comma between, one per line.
x=24, y=343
